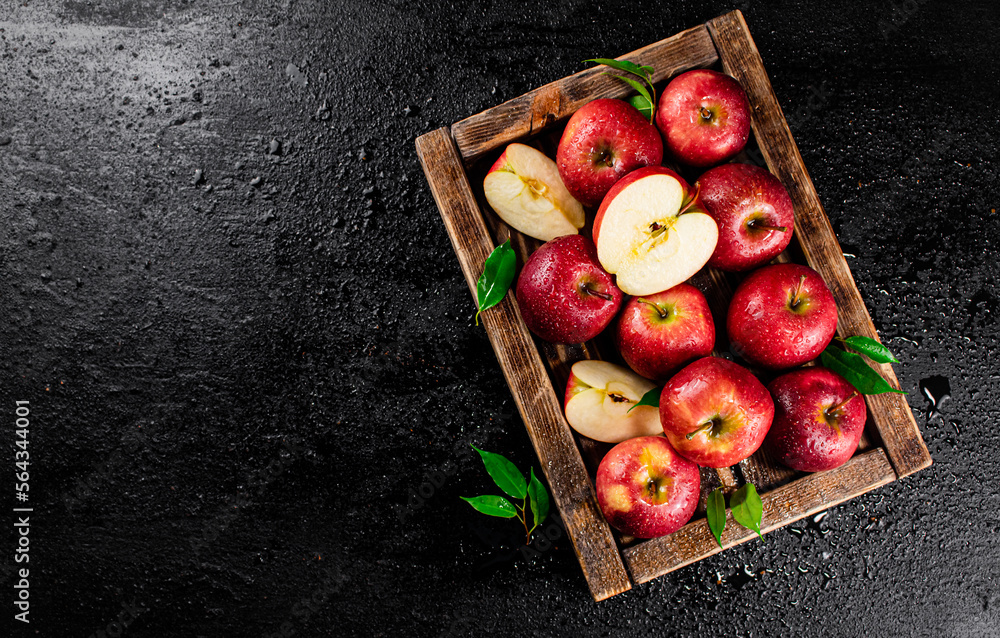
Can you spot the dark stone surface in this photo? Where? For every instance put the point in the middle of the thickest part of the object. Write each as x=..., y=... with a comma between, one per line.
x=243, y=356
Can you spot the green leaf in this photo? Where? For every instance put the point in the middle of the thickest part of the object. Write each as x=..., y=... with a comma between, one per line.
x=635, y=85
x=624, y=65
x=650, y=398
x=642, y=105
x=873, y=349
x=716, y=514
x=747, y=508
x=853, y=368
x=492, y=506
x=539, y=498
x=504, y=473
x=498, y=273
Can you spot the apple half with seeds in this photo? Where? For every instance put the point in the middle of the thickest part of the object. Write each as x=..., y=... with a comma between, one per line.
x=525, y=190
x=652, y=232
x=598, y=398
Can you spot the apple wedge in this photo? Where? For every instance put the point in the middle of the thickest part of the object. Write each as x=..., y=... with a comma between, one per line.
x=525, y=190
x=652, y=232
x=598, y=398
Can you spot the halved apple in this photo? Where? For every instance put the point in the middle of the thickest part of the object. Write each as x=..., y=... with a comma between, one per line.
x=525, y=190
x=598, y=398
x=652, y=232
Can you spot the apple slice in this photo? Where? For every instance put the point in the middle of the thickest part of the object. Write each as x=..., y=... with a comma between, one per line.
x=598, y=398
x=652, y=232
x=525, y=190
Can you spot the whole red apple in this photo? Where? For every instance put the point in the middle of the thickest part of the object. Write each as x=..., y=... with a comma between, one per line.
x=563, y=293
x=604, y=140
x=704, y=116
x=818, y=421
x=753, y=211
x=715, y=412
x=781, y=316
x=657, y=334
x=651, y=231
x=645, y=489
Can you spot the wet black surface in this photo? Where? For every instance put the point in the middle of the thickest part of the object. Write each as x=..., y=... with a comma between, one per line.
x=249, y=351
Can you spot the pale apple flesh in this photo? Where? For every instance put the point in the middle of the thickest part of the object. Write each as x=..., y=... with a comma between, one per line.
x=599, y=396
x=652, y=234
x=526, y=191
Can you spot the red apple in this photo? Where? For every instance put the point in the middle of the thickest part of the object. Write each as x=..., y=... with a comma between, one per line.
x=563, y=293
x=818, y=421
x=645, y=489
x=604, y=140
x=753, y=211
x=601, y=402
x=657, y=334
x=715, y=412
x=525, y=190
x=704, y=116
x=781, y=316
x=652, y=232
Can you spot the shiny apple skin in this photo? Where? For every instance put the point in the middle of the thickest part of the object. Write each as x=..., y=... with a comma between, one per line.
x=550, y=291
x=602, y=142
x=765, y=330
x=629, y=503
x=710, y=388
x=735, y=194
x=804, y=436
x=656, y=346
x=689, y=137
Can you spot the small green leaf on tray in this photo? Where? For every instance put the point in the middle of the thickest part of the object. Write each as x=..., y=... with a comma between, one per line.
x=504, y=473
x=747, y=508
x=651, y=398
x=498, y=273
x=873, y=349
x=645, y=72
x=492, y=506
x=853, y=368
x=716, y=514
x=642, y=105
x=643, y=92
x=539, y=499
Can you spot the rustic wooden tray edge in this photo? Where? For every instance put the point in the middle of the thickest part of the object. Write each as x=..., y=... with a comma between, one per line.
x=445, y=153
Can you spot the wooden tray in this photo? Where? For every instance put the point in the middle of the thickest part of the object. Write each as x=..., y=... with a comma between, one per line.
x=455, y=161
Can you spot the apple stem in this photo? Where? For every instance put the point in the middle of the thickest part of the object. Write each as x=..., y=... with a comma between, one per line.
x=705, y=113
x=754, y=224
x=596, y=293
x=798, y=291
x=663, y=313
x=708, y=425
x=832, y=410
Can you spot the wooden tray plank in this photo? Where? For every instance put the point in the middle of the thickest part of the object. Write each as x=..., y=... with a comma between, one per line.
x=537, y=109
x=525, y=373
x=811, y=494
x=739, y=57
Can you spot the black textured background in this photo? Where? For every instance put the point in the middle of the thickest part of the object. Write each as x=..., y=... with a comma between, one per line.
x=241, y=377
